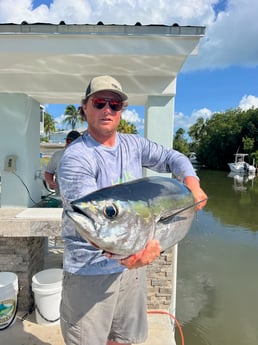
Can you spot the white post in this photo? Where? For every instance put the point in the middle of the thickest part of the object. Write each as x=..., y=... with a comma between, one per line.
x=20, y=150
x=159, y=123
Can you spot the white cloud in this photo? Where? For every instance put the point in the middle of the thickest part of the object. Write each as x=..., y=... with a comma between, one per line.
x=185, y=121
x=59, y=121
x=16, y=11
x=181, y=120
x=132, y=116
x=230, y=38
x=184, y=12
x=248, y=102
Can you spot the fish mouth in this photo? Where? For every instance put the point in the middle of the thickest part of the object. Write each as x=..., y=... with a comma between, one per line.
x=78, y=210
x=82, y=220
x=84, y=224
x=91, y=220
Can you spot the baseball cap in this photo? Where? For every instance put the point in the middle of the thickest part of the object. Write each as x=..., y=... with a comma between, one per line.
x=105, y=83
x=73, y=135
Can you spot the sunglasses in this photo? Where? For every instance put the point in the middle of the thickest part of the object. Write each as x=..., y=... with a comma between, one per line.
x=100, y=103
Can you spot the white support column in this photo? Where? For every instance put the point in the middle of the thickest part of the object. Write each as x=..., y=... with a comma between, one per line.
x=159, y=122
x=19, y=137
x=159, y=127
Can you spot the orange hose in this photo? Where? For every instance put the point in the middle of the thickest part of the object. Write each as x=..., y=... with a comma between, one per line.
x=173, y=317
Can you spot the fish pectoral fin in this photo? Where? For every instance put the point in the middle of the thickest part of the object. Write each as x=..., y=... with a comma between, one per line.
x=174, y=216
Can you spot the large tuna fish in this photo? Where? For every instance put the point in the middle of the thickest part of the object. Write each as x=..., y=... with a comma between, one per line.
x=121, y=219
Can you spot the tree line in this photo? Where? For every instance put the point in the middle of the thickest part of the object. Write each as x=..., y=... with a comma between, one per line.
x=216, y=140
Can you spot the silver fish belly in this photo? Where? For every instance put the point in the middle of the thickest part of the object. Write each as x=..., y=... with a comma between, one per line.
x=121, y=219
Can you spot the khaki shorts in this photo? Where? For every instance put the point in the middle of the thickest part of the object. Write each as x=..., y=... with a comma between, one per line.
x=100, y=307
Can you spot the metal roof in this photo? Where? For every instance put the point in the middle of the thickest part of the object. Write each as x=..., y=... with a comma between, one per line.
x=53, y=63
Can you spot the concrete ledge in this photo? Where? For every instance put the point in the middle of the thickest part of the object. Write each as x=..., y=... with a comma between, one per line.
x=41, y=213
x=18, y=222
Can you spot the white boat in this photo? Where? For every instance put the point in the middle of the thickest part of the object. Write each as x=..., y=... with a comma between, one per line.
x=240, y=166
x=193, y=158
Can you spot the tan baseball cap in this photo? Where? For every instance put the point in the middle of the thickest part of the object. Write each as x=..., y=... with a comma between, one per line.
x=105, y=83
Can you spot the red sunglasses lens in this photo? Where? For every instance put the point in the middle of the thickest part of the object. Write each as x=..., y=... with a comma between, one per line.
x=115, y=104
x=100, y=103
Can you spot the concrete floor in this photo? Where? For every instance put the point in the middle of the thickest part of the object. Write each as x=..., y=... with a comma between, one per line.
x=28, y=332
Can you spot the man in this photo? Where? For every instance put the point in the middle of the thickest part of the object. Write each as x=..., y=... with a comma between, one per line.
x=103, y=299
x=51, y=169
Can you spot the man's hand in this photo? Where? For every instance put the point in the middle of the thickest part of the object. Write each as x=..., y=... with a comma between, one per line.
x=144, y=256
x=52, y=185
x=193, y=184
x=50, y=180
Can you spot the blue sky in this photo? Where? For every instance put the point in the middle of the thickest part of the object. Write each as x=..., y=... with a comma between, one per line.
x=224, y=74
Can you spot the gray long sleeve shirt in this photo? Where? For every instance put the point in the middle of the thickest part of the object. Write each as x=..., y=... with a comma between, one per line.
x=86, y=166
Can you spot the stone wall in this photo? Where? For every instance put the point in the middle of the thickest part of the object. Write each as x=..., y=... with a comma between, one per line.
x=159, y=281
x=23, y=256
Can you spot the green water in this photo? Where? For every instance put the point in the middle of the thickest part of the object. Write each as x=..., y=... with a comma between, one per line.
x=217, y=288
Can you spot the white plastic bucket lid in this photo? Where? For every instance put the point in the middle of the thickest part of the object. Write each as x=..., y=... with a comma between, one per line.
x=47, y=280
x=8, y=285
x=8, y=278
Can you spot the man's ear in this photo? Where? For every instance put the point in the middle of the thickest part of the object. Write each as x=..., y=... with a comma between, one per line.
x=82, y=112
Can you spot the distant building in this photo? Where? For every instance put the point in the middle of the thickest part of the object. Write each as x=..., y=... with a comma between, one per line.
x=59, y=136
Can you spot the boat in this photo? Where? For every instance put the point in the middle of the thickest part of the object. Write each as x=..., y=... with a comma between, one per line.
x=193, y=158
x=195, y=163
x=241, y=166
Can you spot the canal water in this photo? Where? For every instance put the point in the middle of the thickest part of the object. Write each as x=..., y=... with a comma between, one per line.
x=217, y=287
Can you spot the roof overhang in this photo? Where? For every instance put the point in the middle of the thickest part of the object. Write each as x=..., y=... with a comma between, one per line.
x=54, y=63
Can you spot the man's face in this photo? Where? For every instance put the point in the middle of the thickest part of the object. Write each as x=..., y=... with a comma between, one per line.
x=103, y=111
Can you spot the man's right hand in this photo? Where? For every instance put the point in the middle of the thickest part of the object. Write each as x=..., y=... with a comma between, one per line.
x=52, y=184
x=143, y=257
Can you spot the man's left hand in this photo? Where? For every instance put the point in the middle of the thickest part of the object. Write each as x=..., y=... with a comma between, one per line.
x=199, y=196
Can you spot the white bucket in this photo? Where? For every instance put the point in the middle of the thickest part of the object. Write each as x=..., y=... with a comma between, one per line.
x=47, y=288
x=8, y=299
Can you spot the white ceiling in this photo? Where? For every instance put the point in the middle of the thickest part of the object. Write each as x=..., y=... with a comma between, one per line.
x=54, y=63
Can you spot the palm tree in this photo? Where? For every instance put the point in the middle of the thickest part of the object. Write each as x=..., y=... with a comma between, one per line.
x=49, y=124
x=72, y=116
x=197, y=130
x=126, y=127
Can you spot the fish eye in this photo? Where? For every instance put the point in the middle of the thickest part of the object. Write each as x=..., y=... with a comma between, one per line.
x=110, y=211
